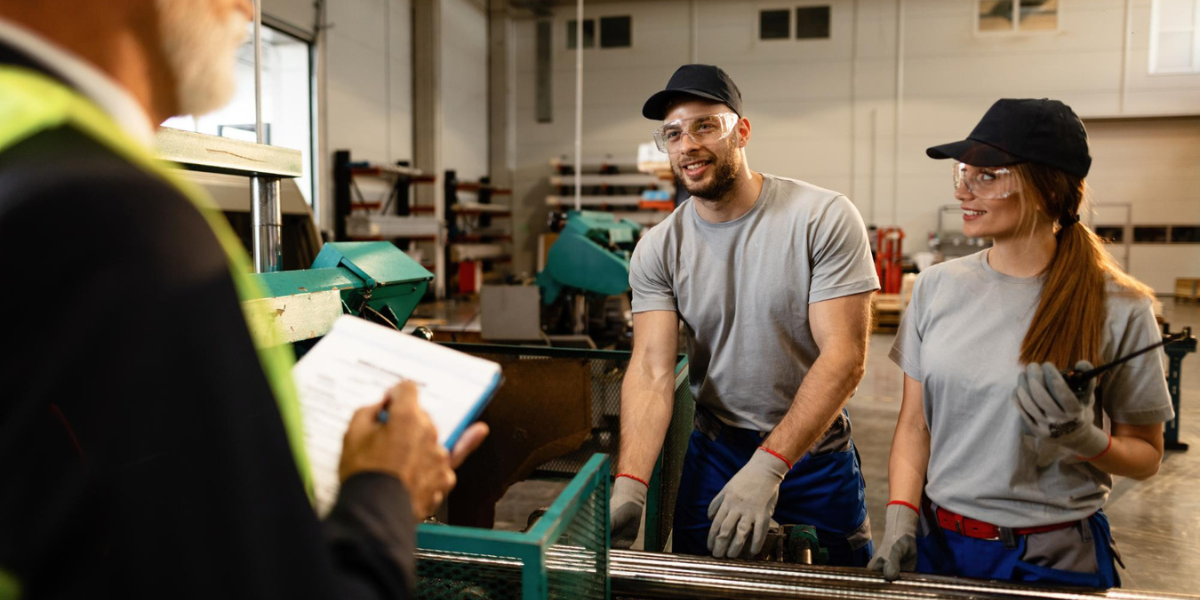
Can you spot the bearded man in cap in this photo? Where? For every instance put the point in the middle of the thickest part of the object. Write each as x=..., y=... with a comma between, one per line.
x=771, y=278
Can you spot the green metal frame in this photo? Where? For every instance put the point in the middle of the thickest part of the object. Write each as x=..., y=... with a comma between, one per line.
x=656, y=529
x=529, y=547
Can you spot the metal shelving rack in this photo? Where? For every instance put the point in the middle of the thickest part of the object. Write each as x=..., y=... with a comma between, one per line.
x=611, y=186
x=396, y=218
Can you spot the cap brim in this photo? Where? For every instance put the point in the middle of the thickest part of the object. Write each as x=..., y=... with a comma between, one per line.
x=974, y=153
x=656, y=107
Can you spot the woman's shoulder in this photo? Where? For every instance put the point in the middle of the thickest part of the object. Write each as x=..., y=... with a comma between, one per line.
x=1127, y=298
x=954, y=268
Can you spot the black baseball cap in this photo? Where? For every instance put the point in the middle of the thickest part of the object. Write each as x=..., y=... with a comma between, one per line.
x=702, y=81
x=1013, y=131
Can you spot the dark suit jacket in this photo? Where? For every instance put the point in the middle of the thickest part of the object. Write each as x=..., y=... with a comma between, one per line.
x=142, y=454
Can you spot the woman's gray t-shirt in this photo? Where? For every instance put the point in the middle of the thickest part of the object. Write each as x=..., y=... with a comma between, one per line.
x=961, y=338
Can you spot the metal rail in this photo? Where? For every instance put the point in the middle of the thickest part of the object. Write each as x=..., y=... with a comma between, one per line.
x=650, y=575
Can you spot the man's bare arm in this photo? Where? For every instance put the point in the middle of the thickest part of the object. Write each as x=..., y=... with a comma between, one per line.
x=840, y=328
x=648, y=393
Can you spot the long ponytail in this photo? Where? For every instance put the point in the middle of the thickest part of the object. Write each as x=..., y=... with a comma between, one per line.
x=1068, y=325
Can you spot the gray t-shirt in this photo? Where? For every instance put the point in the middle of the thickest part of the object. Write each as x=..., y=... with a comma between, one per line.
x=742, y=289
x=961, y=338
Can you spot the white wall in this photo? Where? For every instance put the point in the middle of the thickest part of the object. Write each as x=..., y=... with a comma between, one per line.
x=464, y=47
x=368, y=77
x=825, y=110
x=369, y=82
x=1154, y=166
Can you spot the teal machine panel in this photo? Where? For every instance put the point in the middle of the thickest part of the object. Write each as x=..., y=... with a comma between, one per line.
x=370, y=279
x=591, y=254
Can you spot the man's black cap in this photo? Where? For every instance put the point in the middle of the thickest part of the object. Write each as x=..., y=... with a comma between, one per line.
x=1041, y=131
x=702, y=81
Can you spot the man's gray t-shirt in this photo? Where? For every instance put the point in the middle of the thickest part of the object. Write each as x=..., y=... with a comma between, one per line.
x=961, y=338
x=742, y=289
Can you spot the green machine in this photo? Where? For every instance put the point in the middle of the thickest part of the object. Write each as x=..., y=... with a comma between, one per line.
x=373, y=280
x=591, y=254
x=586, y=275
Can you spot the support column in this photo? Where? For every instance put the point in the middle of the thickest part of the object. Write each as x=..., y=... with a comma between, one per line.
x=427, y=121
x=502, y=117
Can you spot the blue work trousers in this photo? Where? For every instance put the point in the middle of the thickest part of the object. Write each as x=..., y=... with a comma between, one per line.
x=826, y=491
x=1031, y=558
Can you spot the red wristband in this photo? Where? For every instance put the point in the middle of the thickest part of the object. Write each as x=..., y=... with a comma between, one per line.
x=637, y=479
x=903, y=503
x=1102, y=452
x=776, y=455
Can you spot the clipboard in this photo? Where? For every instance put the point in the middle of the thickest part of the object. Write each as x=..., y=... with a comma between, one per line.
x=356, y=363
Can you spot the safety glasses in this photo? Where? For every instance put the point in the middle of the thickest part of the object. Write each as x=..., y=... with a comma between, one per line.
x=703, y=130
x=989, y=183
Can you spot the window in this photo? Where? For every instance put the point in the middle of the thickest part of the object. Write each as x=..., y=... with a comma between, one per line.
x=1007, y=16
x=286, y=100
x=1185, y=234
x=616, y=32
x=589, y=33
x=1111, y=234
x=1174, y=37
x=774, y=25
x=812, y=22
x=1150, y=234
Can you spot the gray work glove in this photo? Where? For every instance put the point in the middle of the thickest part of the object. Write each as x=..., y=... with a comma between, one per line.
x=745, y=506
x=898, y=550
x=1054, y=413
x=628, y=502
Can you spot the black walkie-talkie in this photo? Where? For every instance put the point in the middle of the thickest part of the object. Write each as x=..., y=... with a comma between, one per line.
x=1078, y=380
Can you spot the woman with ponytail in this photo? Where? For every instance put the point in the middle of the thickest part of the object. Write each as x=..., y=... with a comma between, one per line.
x=999, y=470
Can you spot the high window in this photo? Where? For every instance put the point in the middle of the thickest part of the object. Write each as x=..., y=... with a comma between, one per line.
x=286, y=100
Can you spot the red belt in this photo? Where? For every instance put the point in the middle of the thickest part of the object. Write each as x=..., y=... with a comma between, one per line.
x=986, y=531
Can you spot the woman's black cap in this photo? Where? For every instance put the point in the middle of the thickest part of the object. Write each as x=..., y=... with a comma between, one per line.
x=1027, y=130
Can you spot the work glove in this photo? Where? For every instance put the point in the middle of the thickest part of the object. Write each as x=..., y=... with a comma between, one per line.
x=898, y=550
x=628, y=502
x=1054, y=413
x=745, y=506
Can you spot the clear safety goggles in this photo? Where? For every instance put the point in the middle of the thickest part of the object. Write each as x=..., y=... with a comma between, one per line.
x=703, y=130
x=989, y=183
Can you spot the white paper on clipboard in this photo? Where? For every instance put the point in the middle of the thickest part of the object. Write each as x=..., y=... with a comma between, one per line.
x=356, y=363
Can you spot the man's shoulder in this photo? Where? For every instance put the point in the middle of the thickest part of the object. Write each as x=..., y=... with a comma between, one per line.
x=62, y=184
x=64, y=158
x=668, y=228
x=801, y=193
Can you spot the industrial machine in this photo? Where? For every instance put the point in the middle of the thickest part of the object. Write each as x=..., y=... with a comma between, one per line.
x=373, y=280
x=586, y=276
x=950, y=241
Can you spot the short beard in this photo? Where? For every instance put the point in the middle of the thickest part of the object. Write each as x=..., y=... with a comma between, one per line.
x=725, y=175
x=201, y=53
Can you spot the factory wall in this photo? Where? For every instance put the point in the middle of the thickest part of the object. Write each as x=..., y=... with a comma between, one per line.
x=855, y=112
x=465, y=89
x=368, y=80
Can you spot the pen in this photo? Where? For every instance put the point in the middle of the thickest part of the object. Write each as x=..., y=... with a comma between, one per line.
x=382, y=415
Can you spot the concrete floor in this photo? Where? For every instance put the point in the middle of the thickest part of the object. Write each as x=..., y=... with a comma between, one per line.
x=1156, y=522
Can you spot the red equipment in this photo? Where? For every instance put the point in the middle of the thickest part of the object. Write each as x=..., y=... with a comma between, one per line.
x=889, y=242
